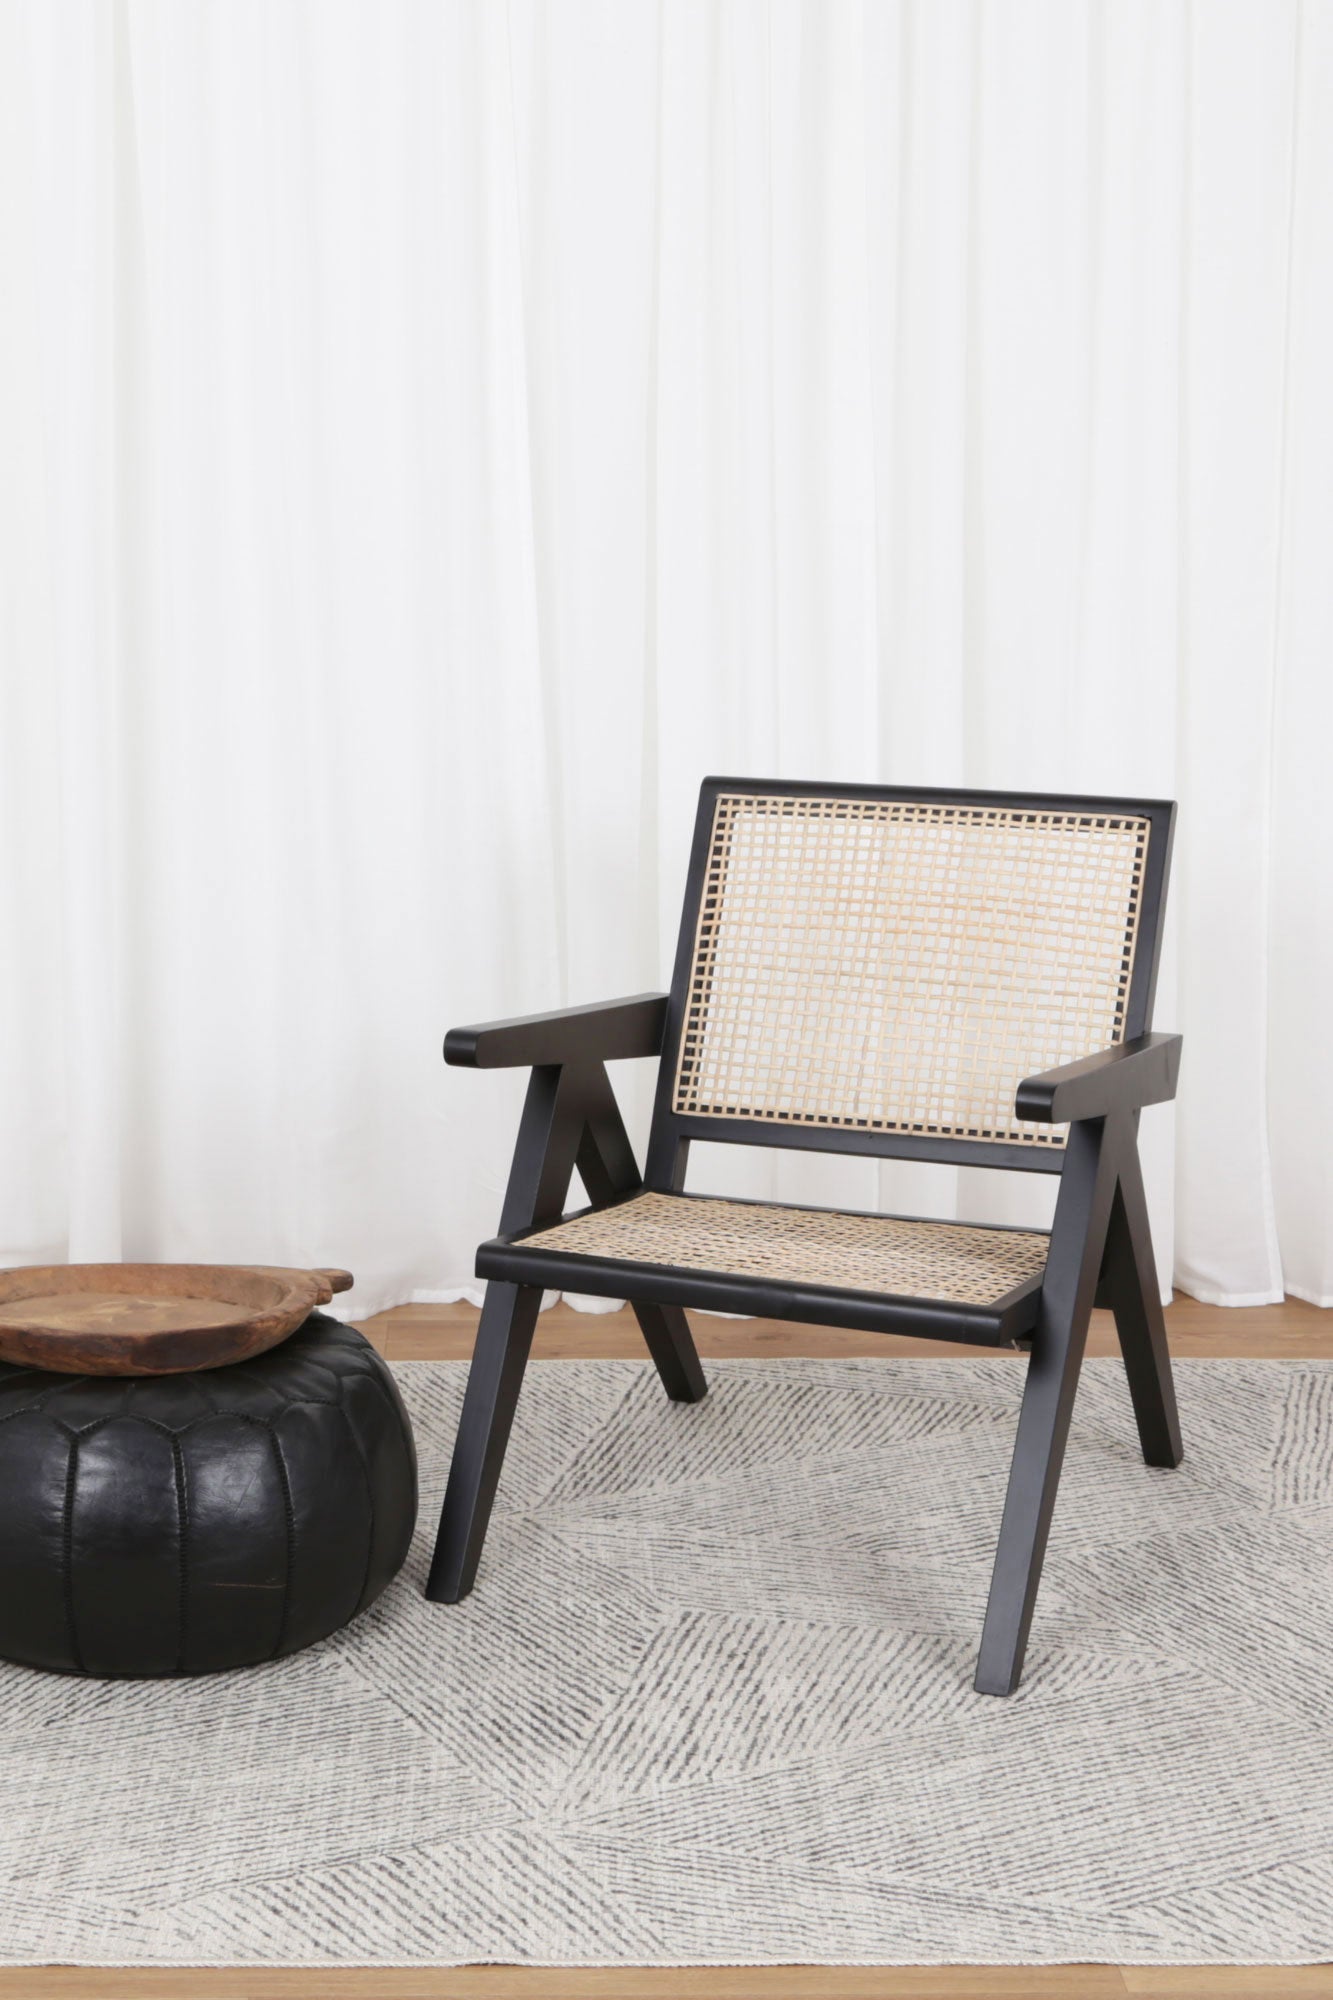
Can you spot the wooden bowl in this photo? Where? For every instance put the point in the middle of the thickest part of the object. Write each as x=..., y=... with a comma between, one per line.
x=153, y=1319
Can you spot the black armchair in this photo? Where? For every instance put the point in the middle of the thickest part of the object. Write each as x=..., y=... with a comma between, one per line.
x=940, y=975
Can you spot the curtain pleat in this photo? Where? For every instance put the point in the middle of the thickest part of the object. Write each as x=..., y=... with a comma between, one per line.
x=437, y=436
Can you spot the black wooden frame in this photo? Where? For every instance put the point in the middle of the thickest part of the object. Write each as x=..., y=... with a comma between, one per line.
x=1100, y=1245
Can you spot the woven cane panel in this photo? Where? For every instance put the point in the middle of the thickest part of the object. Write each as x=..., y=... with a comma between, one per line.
x=807, y=1246
x=900, y=967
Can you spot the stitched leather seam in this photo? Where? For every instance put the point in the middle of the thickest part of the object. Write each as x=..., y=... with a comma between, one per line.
x=95, y=1424
x=370, y=1503
x=43, y=1396
x=183, y=1510
x=67, y=1554
x=290, y=1512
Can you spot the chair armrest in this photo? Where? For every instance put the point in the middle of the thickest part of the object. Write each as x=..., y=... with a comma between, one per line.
x=1132, y=1074
x=600, y=1033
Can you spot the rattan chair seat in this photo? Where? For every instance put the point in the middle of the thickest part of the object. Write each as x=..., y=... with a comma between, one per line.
x=949, y=1263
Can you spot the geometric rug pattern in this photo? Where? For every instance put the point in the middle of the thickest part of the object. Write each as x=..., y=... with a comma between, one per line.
x=711, y=1702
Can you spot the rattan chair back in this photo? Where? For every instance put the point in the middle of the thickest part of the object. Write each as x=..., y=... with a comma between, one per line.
x=890, y=965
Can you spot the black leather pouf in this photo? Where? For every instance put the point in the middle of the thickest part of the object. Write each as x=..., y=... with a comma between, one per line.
x=187, y=1523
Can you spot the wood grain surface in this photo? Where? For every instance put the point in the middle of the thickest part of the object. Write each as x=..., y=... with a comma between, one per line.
x=153, y=1319
x=775, y=1982
x=1291, y=1331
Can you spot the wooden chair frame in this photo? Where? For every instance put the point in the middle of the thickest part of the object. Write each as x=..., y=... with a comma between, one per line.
x=1100, y=1248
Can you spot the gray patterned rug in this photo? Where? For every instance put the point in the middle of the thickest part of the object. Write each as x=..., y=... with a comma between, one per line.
x=711, y=1702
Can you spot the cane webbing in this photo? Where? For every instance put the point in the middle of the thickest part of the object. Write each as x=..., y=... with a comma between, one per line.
x=897, y=966
x=946, y=1261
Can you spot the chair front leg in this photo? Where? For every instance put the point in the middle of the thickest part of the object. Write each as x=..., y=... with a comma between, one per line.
x=504, y=1340
x=608, y=1170
x=1087, y=1184
x=548, y=1140
x=570, y=1116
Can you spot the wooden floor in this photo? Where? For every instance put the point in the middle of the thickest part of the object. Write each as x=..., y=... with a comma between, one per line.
x=778, y=1982
x=445, y=1333
x=425, y=1333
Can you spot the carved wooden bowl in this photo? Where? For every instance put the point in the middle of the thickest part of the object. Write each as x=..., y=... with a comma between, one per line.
x=153, y=1319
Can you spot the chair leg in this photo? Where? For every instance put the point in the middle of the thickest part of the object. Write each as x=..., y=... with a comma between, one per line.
x=1039, y=1449
x=608, y=1171
x=1129, y=1276
x=569, y=1115
x=504, y=1338
x=1082, y=1211
x=671, y=1344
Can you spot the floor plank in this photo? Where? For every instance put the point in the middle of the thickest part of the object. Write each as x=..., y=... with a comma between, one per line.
x=437, y=1333
x=1229, y=1982
x=783, y=1982
x=1293, y=1331
x=498, y=1982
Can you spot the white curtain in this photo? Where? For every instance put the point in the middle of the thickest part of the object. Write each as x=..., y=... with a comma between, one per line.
x=434, y=436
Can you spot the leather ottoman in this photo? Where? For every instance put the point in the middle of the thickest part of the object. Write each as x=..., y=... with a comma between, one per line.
x=190, y=1523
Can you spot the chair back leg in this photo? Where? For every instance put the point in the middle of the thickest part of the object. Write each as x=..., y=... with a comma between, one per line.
x=609, y=1172
x=1129, y=1285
